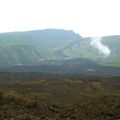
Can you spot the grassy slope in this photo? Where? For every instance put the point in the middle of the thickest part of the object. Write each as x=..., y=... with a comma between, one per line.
x=113, y=42
x=56, y=43
x=45, y=41
x=81, y=49
x=15, y=50
x=18, y=54
x=50, y=40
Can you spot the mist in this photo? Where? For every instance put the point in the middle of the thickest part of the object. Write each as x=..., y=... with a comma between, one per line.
x=96, y=42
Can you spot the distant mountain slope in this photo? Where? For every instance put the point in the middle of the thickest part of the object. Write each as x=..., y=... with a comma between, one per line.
x=80, y=49
x=14, y=50
x=113, y=42
x=48, y=41
x=33, y=47
x=84, y=49
x=18, y=54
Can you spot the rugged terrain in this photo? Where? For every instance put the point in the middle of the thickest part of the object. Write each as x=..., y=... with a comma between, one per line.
x=46, y=97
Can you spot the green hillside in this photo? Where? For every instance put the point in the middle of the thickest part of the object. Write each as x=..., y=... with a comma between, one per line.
x=81, y=49
x=18, y=54
x=48, y=41
x=50, y=44
x=15, y=50
x=113, y=42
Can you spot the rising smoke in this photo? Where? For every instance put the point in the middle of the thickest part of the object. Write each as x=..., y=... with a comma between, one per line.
x=103, y=49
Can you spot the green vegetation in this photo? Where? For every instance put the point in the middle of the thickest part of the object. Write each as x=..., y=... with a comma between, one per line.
x=31, y=47
x=18, y=54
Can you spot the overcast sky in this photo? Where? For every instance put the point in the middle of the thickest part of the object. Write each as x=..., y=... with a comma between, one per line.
x=86, y=17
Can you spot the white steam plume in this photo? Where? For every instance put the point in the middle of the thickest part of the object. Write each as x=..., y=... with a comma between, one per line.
x=96, y=42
